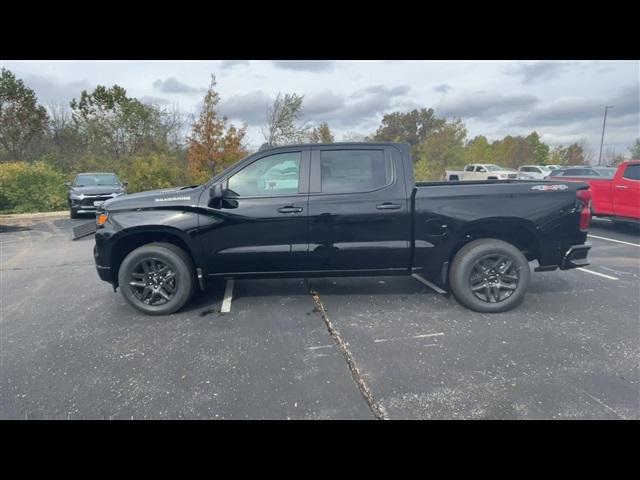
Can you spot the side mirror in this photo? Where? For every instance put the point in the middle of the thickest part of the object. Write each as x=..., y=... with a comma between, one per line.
x=215, y=191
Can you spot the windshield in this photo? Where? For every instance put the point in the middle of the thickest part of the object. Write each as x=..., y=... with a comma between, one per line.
x=96, y=179
x=493, y=168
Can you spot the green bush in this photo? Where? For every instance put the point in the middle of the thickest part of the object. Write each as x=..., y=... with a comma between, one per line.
x=151, y=172
x=36, y=187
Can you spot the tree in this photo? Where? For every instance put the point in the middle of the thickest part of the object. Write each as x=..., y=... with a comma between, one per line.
x=283, y=121
x=478, y=150
x=23, y=122
x=321, y=134
x=538, y=149
x=411, y=127
x=213, y=145
x=635, y=150
x=443, y=149
x=115, y=125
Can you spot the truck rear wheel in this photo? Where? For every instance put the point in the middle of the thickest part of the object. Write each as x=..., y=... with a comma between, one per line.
x=157, y=279
x=489, y=276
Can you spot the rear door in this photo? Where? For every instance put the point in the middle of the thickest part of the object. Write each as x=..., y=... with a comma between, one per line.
x=359, y=214
x=626, y=192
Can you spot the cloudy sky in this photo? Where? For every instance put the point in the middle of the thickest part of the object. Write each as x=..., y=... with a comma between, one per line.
x=562, y=100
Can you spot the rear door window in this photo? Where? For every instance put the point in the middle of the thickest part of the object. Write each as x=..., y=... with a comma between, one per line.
x=632, y=172
x=350, y=171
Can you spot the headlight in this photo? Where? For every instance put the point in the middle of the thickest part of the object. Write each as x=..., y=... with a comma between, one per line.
x=76, y=196
x=502, y=175
x=117, y=194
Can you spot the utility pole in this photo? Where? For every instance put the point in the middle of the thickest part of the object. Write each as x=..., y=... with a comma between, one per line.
x=603, y=125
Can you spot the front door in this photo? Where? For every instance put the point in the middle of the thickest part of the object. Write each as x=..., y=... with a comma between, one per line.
x=261, y=223
x=359, y=216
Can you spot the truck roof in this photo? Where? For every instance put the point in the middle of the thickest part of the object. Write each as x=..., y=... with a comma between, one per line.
x=336, y=144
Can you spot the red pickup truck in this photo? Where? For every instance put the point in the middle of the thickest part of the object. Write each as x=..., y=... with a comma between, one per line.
x=618, y=197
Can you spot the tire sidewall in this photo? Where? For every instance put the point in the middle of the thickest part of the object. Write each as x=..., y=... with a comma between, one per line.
x=467, y=258
x=178, y=265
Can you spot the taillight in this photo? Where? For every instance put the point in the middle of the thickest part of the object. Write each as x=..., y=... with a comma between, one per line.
x=584, y=197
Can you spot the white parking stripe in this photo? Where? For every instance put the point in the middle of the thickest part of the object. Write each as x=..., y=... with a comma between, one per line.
x=614, y=240
x=228, y=295
x=420, y=278
x=597, y=273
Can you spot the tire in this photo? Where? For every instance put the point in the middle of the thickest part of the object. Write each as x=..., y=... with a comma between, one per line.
x=466, y=271
x=72, y=213
x=145, y=298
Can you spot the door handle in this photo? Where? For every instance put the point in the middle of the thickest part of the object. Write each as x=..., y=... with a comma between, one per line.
x=388, y=206
x=290, y=209
x=624, y=187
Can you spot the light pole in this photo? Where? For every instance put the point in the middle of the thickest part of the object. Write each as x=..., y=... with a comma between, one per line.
x=603, y=125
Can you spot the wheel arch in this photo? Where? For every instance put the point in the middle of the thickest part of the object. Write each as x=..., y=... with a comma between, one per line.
x=128, y=240
x=518, y=232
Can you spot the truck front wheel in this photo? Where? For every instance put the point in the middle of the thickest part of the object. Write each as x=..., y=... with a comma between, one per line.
x=157, y=279
x=489, y=276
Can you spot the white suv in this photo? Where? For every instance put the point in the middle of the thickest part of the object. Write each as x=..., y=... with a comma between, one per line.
x=534, y=172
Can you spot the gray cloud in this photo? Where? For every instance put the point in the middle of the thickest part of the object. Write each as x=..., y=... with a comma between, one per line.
x=49, y=91
x=322, y=103
x=579, y=110
x=538, y=70
x=484, y=104
x=172, y=85
x=397, y=91
x=306, y=65
x=150, y=99
x=233, y=63
x=250, y=108
x=443, y=88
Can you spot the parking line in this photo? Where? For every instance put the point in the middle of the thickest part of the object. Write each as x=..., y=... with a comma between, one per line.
x=597, y=273
x=378, y=340
x=420, y=278
x=228, y=295
x=614, y=240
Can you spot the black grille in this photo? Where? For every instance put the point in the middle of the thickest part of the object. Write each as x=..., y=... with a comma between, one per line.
x=88, y=201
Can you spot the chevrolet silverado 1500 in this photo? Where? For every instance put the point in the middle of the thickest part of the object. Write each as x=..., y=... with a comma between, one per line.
x=343, y=209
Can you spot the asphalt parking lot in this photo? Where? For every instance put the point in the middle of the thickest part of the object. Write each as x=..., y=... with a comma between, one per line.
x=335, y=348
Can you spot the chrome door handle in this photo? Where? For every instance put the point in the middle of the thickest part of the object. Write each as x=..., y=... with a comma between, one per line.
x=624, y=187
x=388, y=206
x=290, y=209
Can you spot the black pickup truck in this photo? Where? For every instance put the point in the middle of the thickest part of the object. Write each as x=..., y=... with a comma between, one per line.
x=343, y=209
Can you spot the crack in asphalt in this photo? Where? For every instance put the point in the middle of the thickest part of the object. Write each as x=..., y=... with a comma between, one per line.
x=377, y=409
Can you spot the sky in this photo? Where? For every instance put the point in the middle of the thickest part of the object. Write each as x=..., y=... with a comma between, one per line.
x=562, y=100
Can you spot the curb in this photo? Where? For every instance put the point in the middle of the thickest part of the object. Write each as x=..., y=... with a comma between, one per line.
x=27, y=216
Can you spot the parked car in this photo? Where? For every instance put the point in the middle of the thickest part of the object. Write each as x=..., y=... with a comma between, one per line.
x=533, y=172
x=554, y=167
x=90, y=190
x=355, y=210
x=615, y=191
x=481, y=171
x=583, y=171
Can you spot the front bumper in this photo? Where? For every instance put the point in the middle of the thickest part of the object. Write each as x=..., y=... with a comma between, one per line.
x=576, y=257
x=104, y=272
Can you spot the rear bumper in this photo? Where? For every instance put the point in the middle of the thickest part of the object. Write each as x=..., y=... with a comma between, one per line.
x=576, y=256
